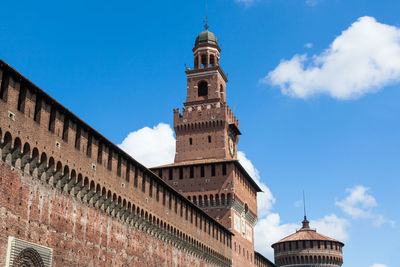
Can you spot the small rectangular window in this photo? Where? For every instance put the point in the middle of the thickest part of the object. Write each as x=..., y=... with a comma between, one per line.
x=180, y=173
x=89, y=146
x=100, y=153
x=38, y=109
x=144, y=183
x=170, y=200
x=223, y=169
x=65, y=129
x=202, y=171
x=209, y=138
x=160, y=173
x=52, y=121
x=157, y=192
x=164, y=196
x=213, y=170
x=191, y=172
x=119, y=165
x=135, y=179
x=109, y=161
x=128, y=171
x=151, y=187
x=21, y=99
x=4, y=86
x=170, y=174
x=78, y=137
x=190, y=141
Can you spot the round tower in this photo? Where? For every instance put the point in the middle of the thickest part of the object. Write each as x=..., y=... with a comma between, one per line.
x=307, y=248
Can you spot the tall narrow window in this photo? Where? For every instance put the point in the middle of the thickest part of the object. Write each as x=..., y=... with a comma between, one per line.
x=144, y=183
x=190, y=141
x=128, y=171
x=164, y=196
x=78, y=137
x=100, y=153
x=191, y=172
x=170, y=200
x=160, y=173
x=109, y=161
x=119, y=165
x=151, y=187
x=65, y=129
x=38, y=109
x=135, y=179
x=202, y=88
x=170, y=174
x=209, y=138
x=21, y=99
x=213, y=170
x=4, y=86
x=180, y=173
x=157, y=192
x=89, y=146
x=223, y=169
x=176, y=205
x=202, y=171
x=52, y=121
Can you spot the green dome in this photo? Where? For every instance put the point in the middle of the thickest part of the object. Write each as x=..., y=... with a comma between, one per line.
x=206, y=37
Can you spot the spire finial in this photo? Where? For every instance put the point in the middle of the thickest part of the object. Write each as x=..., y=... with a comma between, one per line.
x=304, y=204
x=306, y=223
x=206, y=26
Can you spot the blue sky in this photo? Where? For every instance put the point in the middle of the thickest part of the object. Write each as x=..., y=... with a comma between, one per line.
x=315, y=85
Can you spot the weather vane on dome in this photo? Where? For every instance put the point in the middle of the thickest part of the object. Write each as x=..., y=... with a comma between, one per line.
x=206, y=26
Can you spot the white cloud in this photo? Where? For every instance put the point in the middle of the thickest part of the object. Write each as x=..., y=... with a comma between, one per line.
x=151, y=146
x=378, y=265
x=363, y=59
x=308, y=45
x=270, y=230
x=332, y=226
x=265, y=200
x=359, y=204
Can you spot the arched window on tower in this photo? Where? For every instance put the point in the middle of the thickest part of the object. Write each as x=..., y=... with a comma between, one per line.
x=204, y=61
x=196, y=62
x=212, y=61
x=203, y=88
x=221, y=91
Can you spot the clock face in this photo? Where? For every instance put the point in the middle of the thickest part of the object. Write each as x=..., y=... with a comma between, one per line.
x=231, y=145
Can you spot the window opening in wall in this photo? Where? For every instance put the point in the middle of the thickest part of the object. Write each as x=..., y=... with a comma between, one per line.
x=100, y=153
x=202, y=88
x=65, y=129
x=212, y=61
x=119, y=165
x=190, y=141
x=170, y=200
x=176, y=204
x=89, y=146
x=157, y=192
x=213, y=170
x=128, y=171
x=135, y=179
x=4, y=86
x=38, y=109
x=151, y=187
x=209, y=138
x=202, y=171
x=160, y=173
x=191, y=172
x=21, y=99
x=144, y=183
x=164, y=196
x=109, y=161
x=78, y=137
x=203, y=61
x=52, y=120
x=180, y=173
x=223, y=169
x=170, y=174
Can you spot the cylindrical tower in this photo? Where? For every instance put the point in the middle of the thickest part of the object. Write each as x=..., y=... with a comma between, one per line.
x=307, y=248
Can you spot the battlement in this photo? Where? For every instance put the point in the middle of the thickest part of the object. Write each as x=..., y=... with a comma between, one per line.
x=47, y=141
x=209, y=114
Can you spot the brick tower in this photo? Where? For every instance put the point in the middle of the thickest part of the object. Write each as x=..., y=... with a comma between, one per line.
x=206, y=169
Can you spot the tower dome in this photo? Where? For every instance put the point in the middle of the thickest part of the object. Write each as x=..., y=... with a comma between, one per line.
x=206, y=37
x=307, y=248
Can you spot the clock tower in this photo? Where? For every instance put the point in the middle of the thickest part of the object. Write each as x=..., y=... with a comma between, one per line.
x=206, y=169
x=207, y=128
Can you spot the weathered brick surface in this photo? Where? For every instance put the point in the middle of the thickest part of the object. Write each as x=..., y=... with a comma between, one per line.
x=79, y=234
